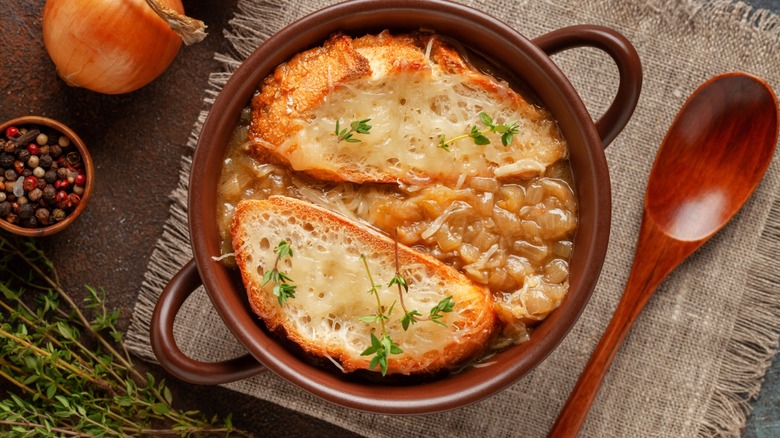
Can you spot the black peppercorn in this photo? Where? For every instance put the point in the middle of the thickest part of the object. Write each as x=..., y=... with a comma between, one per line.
x=62, y=173
x=22, y=155
x=10, y=175
x=26, y=211
x=50, y=176
x=55, y=151
x=45, y=161
x=5, y=208
x=6, y=159
x=49, y=193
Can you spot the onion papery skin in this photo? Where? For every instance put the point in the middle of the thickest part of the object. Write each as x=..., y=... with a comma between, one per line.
x=109, y=46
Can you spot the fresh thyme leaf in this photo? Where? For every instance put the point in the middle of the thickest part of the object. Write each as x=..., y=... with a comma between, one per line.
x=355, y=127
x=478, y=136
x=381, y=349
x=282, y=289
x=398, y=280
x=443, y=143
x=409, y=318
x=283, y=249
x=283, y=292
x=507, y=131
x=485, y=119
x=361, y=126
x=444, y=306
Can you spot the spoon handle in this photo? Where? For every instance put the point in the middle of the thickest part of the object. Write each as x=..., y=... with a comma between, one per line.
x=656, y=256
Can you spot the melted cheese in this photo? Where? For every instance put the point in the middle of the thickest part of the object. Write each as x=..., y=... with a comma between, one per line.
x=333, y=289
x=408, y=112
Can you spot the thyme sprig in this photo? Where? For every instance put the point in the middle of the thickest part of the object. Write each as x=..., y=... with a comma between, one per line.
x=411, y=317
x=356, y=127
x=283, y=290
x=67, y=370
x=382, y=347
x=507, y=131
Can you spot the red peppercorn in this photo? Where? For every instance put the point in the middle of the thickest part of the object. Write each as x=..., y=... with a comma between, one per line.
x=33, y=149
x=80, y=179
x=73, y=200
x=61, y=196
x=30, y=183
x=11, y=131
x=61, y=184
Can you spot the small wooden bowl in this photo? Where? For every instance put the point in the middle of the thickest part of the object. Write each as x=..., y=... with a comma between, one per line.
x=89, y=171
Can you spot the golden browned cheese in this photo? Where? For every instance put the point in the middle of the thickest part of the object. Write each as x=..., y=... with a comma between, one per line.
x=414, y=88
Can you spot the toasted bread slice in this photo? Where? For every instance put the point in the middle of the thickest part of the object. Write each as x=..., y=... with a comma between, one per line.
x=332, y=289
x=414, y=88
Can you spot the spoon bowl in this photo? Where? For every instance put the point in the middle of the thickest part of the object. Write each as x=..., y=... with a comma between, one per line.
x=712, y=158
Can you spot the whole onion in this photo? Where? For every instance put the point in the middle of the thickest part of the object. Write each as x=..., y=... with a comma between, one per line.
x=112, y=46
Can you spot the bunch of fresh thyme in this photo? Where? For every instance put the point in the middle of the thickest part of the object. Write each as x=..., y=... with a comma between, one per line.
x=68, y=371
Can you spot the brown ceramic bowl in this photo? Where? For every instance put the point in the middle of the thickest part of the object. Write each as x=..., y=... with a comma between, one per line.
x=530, y=63
x=89, y=171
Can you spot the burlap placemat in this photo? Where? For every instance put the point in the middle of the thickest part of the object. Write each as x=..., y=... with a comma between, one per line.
x=698, y=352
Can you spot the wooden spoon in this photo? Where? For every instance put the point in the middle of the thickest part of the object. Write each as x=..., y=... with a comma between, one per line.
x=711, y=160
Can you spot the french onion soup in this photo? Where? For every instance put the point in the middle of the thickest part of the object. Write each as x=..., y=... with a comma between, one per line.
x=401, y=137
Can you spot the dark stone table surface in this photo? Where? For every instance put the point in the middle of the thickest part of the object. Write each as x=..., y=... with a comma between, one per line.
x=136, y=142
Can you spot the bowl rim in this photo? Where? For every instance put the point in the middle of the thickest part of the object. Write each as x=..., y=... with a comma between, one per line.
x=441, y=394
x=89, y=171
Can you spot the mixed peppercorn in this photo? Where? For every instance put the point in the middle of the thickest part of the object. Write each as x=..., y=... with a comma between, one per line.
x=42, y=176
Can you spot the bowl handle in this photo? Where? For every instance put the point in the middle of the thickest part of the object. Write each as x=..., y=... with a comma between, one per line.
x=181, y=286
x=625, y=56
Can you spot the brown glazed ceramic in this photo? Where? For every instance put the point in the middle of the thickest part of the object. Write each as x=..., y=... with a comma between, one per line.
x=89, y=170
x=529, y=61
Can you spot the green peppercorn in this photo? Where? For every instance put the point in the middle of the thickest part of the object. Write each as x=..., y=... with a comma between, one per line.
x=58, y=214
x=42, y=139
x=63, y=141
